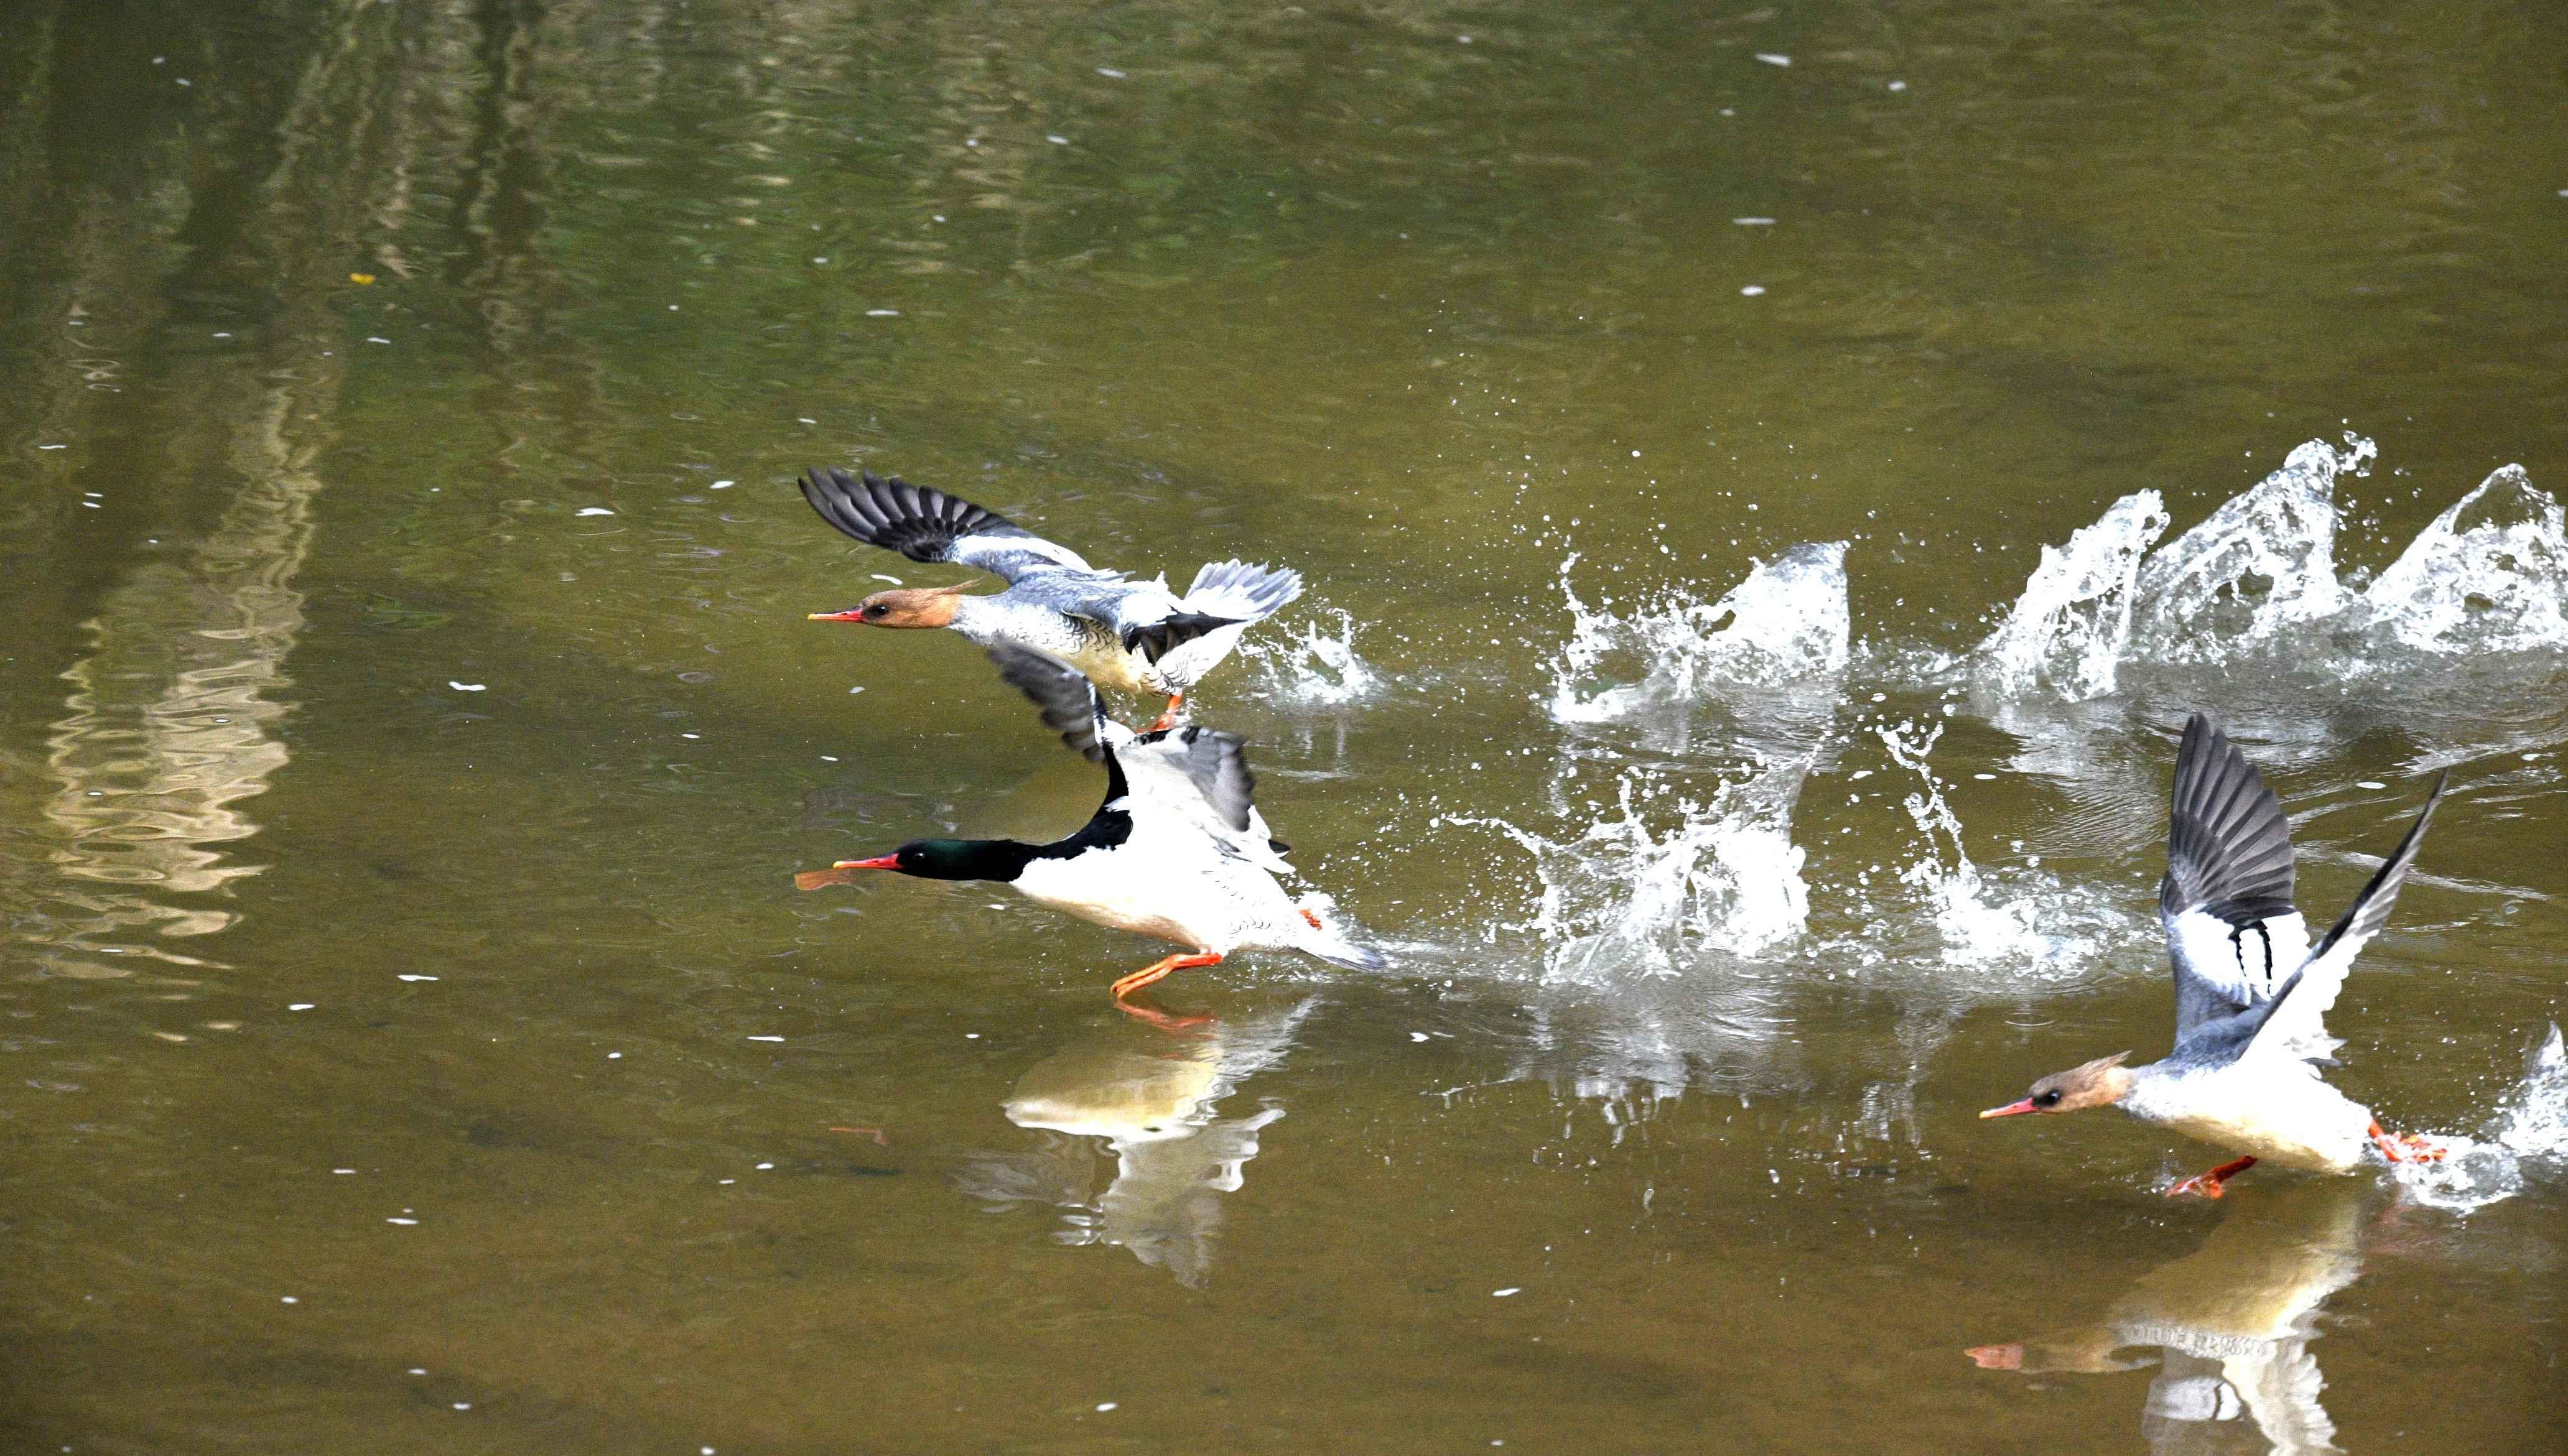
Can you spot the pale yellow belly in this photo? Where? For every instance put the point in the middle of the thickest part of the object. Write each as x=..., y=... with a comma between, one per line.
x=1109, y=665
x=2273, y=1143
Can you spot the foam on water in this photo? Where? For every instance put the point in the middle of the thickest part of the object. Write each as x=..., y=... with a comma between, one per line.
x=2526, y=1142
x=2027, y=921
x=1314, y=664
x=1651, y=886
x=1788, y=620
x=2489, y=575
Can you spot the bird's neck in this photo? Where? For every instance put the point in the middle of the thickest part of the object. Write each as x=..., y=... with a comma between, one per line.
x=976, y=619
x=973, y=859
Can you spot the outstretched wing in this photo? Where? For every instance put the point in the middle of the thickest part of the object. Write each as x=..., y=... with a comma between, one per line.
x=1194, y=777
x=930, y=525
x=2226, y=900
x=1212, y=763
x=2294, y=1019
x=1062, y=695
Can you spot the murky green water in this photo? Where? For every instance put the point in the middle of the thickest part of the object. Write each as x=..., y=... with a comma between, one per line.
x=415, y=1042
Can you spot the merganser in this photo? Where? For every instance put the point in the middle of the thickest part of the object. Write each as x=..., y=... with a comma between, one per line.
x=2230, y=1326
x=1130, y=636
x=1176, y=850
x=2250, y=992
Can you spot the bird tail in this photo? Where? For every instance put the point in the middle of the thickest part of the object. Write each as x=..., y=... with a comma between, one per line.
x=1325, y=936
x=1341, y=951
x=1155, y=640
x=1241, y=591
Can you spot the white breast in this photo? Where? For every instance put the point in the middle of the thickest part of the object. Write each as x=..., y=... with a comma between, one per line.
x=1172, y=885
x=2277, y=1110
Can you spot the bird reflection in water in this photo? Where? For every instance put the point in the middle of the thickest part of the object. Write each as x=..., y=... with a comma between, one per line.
x=1150, y=1097
x=2232, y=1323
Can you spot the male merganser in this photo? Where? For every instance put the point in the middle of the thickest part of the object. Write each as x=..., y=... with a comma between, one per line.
x=2250, y=992
x=1133, y=636
x=1176, y=850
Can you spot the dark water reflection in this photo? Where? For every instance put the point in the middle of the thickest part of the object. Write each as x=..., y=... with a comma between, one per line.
x=408, y=732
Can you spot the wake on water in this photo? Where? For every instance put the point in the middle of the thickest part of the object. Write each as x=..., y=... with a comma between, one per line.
x=2525, y=1143
x=1659, y=905
x=2490, y=574
x=1315, y=665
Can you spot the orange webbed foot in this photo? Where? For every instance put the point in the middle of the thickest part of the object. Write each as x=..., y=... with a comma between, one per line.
x=2407, y=1147
x=2209, y=1185
x=1128, y=985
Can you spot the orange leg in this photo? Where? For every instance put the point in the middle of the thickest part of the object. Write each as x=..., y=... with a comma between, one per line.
x=1160, y=967
x=1315, y=920
x=2407, y=1147
x=1168, y=719
x=1174, y=1025
x=2208, y=1184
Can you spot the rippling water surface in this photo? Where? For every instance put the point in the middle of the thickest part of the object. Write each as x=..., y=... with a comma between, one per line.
x=1773, y=481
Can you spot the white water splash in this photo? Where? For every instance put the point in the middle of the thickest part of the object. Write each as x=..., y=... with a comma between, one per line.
x=1624, y=895
x=2489, y=575
x=2525, y=1142
x=1788, y=620
x=1318, y=667
x=2263, y=562
x=2069, y=630
x=2029, y=921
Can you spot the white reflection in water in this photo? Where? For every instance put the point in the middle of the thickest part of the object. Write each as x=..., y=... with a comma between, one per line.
x=169, y=726
x=1151, y=1099
x=2228, y=1325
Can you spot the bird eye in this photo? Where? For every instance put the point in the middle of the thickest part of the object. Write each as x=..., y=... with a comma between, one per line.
x=877, y=611
x=2047, y=1099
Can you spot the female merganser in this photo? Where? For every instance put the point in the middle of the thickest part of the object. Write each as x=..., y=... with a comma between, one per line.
x=1176, y=850
x=2250, y=992
x=1133, y=636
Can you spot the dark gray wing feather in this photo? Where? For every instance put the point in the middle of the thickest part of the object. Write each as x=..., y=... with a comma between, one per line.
x=2226, y=900
x=1061, y=693
x=1218, y=764
x=926, y=524
x=2229, y=848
